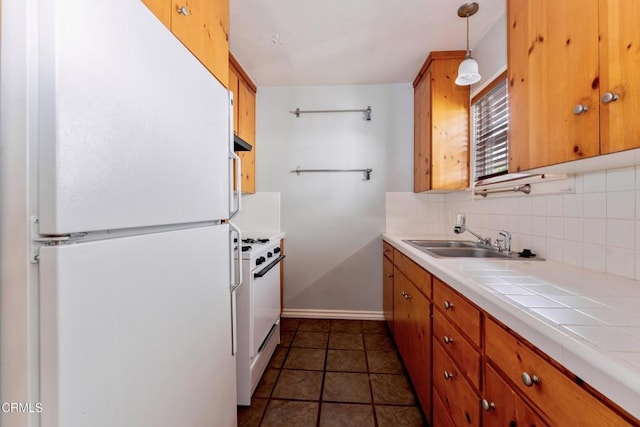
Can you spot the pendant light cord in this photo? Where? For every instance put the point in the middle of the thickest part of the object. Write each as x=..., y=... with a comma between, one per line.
x=468, y=51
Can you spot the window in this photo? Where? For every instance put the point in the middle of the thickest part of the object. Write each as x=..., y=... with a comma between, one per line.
x=490, y=121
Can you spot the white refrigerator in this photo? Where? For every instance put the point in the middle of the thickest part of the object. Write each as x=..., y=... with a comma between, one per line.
x=136, y=266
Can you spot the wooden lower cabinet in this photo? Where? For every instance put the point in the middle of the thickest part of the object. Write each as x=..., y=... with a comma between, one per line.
x=387, y=291
x=460, y=400
x=502, y=406
x=561, y=398
x=473, y=369
x=412, y=333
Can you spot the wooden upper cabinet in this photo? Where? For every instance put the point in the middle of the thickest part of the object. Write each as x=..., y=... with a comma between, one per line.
x=202, y=26
x=244, y=120
x=204, y=30
x=559, y=69
x=620, y=56
x=441, y=125
x=422, y=136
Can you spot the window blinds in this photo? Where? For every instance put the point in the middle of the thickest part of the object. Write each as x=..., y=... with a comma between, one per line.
x=490, y=124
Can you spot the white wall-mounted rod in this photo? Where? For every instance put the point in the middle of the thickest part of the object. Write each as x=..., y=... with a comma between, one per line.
x=367, y=172
x=366, y=111
x=526, y=189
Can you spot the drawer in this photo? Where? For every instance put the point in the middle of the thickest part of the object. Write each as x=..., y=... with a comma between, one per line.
x=458, y=348
x=505, y=407
x=561, y=399
x=418, y=275
x=461, y=402
x=440, y=415
x=387, y=250
x=457, y=309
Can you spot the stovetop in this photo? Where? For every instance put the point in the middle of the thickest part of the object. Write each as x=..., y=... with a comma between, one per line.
x=253, y=247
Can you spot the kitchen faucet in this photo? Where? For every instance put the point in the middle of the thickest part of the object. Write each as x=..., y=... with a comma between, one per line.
x=507, y=240
x=460, y=228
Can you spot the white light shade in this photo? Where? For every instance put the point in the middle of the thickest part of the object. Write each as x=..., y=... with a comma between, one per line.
x=468, y=72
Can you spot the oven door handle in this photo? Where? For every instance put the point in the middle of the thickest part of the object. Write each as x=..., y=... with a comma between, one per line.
x=268, y=267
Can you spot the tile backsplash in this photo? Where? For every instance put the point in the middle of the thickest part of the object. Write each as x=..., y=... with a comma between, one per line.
x=598, y=227
x=260, y=213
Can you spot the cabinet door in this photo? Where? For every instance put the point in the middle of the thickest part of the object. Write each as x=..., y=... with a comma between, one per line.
x=449, y=127
x=401, y=314
x=422, y=135
x=619, y=59
x=162, y=10
x=387, y=291
x=552, y=68
x=204, y=29
x=459, y=399
x=247, y=131
x=506, y=407
x=419, y=345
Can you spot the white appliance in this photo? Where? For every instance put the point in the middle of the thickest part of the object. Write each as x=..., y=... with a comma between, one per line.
x=258, y=312
x=136, y=265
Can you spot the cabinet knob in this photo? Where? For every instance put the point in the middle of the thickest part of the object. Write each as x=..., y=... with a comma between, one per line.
x=580, y=109
x=529, y=380
x=488, y=406
x=448, y=375
x=182, y=10
x=406, y=295
x=389, y=275
x=448, y=305
x=447, y=340
x=609, y=97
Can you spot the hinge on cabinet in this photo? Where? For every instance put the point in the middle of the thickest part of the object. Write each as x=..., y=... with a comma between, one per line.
x=37, y=241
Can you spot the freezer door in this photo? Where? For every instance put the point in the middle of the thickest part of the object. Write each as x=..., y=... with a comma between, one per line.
x=133, y=130
x=136, y=332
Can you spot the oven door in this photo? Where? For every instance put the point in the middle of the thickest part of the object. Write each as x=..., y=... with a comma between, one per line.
x=265, y=301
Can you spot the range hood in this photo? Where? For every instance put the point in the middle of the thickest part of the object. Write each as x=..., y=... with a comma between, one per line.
x=240, y=144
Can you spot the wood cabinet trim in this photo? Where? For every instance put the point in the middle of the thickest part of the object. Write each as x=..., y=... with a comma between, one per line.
x=495, y=82
x=233, y=62
x=443, y=54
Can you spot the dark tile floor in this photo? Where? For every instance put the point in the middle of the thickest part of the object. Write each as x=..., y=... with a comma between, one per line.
x=333, y=373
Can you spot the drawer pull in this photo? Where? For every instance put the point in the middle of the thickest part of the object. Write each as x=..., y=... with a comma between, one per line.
x=389, y=275
x=488, y=406
x=529, y=380
x=448, y=305
x=447, y=340
x=182, y=10
x=448, y=375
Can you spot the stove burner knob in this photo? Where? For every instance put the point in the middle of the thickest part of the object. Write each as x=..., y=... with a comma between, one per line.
x=276, y=251
x=260, y=260
x=269, y=254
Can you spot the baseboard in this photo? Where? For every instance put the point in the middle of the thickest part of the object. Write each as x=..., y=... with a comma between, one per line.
x=333, y=314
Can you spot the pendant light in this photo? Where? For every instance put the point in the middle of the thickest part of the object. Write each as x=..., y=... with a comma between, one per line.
x=468, y=69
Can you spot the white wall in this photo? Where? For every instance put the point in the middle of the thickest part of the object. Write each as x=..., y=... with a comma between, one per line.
x=333, y=221
x=260, y=214
x=491, y=53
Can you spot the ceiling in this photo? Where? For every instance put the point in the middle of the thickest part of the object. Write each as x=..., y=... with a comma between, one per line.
x=333, y=42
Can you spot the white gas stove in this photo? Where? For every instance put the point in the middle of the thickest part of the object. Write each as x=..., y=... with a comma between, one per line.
x=258, y=311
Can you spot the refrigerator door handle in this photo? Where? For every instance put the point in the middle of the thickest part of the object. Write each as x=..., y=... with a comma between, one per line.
x=236, y=261
x=235, y=285
x=233, y=212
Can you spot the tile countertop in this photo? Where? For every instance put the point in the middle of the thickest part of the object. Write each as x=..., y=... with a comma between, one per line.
x=586, y=320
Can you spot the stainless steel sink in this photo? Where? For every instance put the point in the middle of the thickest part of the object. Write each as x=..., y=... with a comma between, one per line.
x=467, y=253
x=463, y=249
x=440, y=244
